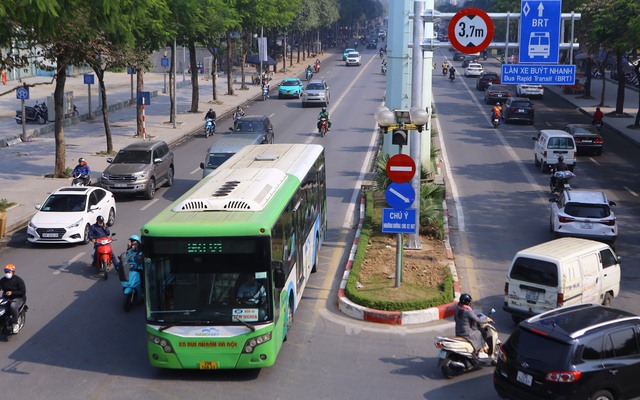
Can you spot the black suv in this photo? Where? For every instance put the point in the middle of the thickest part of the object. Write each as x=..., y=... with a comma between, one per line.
x=254, y=124
x=518, y=108
x=586, y=351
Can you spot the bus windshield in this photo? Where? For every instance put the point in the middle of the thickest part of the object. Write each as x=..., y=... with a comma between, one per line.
x=204, y=281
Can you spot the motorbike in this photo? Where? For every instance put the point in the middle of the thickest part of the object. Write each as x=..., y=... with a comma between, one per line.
x=104, y=255
x=598, y=124
x=309, y=75
x=6, y=320
x=458, y=356
x=317, y=67
x=322, y=129
x=559, y=181
x=79, y=180
x=237, y=115
x=384, y=69
x=452, y=77
x=444, y=71
x=495, y=120
x=265, y=92
x=130, y=275
x=209, y=127
x=38, y=113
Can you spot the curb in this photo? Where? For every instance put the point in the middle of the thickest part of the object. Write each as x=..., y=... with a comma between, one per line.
x=359, y=312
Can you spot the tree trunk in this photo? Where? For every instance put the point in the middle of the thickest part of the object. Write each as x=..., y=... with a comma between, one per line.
x=291, y=51
x=299, y=48
x=229, y=66
x=621, y=84
x=587, y=82
x=139, y=89
x=636, y=69
x=214, y=74
x=195, y=87
x=604, y=80
x=58, y=97
x=105, y=111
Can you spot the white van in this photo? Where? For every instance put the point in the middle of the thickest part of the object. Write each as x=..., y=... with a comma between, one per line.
x=227, y=146
x=559, y=273
x=552, y=143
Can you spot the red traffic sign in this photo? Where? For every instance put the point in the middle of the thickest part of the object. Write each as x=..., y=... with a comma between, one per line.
x=401, y=168
x=470, y=30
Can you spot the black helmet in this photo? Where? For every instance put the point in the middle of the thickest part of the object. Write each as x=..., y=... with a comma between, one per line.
x=465, y=299
x=211, y=109
x=324, y=109
x=560, y=158
x=80, y=160
x=100, y=218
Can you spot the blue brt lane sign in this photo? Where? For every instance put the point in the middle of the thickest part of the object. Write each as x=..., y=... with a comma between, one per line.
x=540, y=31
x=541, y=74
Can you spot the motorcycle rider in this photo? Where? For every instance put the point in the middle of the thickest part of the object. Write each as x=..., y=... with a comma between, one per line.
x=83, y=170
x=317, y=65
x=452, y=73
x=308, y=71
x=597, y=117
x=97, y=231
x=324, y=114
x=212, y=116
x=560, y=166
x=445, y=68
x=238, y=113
x=468, y=324
x=497, y=111
x=13, y=288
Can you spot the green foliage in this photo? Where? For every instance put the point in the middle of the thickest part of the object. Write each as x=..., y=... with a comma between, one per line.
x=5, y=204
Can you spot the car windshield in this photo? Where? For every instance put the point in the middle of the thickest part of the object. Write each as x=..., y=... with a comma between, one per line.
x=291, y=82
x=64, y=203
x=587, y=210
x=248, y=126
x=314, y=86
x=565, y=143
x=216, y=159
x=489, y=75
x=133, y=157
x=522, y=104
x=353, y=54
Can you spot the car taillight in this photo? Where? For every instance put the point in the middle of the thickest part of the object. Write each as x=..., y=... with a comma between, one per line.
x=608, y=222
x=598, y=141
x=560, y=299
x=506, y=288
x=501, y=354
x=565, y=220
x=563, y=376
x=578, y=140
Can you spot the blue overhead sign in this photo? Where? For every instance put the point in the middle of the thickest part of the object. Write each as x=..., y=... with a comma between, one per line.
x=540, y=31
x=400, y=195
x=517, y=74
x=398, y=221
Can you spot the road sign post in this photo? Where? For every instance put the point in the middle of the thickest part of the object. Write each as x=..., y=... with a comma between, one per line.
x=470, y=30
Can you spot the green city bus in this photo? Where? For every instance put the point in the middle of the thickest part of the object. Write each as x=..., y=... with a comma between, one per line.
x=259, y=219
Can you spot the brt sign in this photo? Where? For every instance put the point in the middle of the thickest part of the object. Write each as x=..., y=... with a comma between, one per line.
x=540, y=31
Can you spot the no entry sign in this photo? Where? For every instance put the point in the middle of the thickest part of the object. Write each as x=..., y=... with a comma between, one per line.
x=401, y=168
x=470, y=30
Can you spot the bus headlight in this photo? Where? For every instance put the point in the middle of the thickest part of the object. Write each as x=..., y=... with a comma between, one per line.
x=164, y=343
x=251, y=344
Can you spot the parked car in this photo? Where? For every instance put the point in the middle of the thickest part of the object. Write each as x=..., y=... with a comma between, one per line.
x=585, y=214
x=346, y=52
x=316, y=92
x=353, y=58
x=290, y=87
x=473, y=69
x=497, y=93
x=551, y=144
x=585, y=351
x=486, y=79
x=252, y=124
x=530, y=90
x=140, y=167
x=68, y=212
x=518, y=109
x=587, y=138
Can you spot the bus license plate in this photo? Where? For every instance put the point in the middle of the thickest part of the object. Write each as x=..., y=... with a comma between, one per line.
x=532, y=296
x=208, y=365
x=524, y=378
x=586, y=225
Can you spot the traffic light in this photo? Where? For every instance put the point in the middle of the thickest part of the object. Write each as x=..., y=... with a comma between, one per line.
x=400, y=137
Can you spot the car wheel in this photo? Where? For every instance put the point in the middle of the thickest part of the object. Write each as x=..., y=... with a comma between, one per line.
x=607, y=299
x=85, y=238
x=151, y=189
x=170, y=177
x=602, y=395
x=112, y=217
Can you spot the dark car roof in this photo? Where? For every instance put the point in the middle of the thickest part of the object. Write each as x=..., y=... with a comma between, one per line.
x=254, y=117
x=583, y=129
x=489, y=74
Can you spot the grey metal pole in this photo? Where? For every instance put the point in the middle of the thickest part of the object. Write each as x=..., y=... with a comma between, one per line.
x=173, y=109
x=417, y=65
x=89, y=98
x=506, y=39
x=184, y=64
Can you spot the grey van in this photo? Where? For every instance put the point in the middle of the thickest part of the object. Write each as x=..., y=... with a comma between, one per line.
x=140, y=167
x=226, y=147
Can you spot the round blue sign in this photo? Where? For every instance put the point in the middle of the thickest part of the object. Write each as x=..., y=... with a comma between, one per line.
x=400, y=195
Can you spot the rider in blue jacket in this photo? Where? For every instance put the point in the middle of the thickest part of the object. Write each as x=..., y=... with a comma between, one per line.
x=83, y=170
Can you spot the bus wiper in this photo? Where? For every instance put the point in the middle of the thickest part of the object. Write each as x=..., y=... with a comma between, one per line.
x=248, y=325
x=182, y=323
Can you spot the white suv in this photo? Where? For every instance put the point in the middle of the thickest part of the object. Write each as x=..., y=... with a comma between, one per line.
x=585, y=214
x=353, y=58
x=530, y=90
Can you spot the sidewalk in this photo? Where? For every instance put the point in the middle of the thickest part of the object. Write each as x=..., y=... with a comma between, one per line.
x=23, y=165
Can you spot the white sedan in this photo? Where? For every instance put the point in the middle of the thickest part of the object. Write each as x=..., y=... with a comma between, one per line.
x=473, y=69
x=353, y=58
x=530, y=90
x=67, y=214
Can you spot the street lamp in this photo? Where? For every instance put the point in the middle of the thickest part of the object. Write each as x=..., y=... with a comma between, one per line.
x=385, y=118
x=419, y=117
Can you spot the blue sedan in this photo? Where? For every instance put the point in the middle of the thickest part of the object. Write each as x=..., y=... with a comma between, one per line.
x=290, y=87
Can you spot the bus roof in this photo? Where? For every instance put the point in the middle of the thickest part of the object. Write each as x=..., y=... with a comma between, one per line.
x=247, y=193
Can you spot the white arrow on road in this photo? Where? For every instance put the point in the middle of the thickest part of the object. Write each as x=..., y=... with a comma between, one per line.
x=540, y=9
x=403, y=198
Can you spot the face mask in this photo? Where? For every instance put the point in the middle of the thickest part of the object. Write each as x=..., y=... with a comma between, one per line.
x=8, y=275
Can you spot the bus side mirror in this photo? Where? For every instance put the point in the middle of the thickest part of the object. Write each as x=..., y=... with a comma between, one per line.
x=280, y=276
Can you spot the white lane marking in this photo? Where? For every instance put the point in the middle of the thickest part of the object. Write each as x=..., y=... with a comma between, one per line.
x=149, y=204
x=64, y=266
x=195, y=170
x=631, y=191
x=593, y=160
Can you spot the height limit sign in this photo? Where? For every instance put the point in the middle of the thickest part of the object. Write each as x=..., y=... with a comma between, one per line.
x=470, y=30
